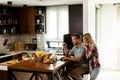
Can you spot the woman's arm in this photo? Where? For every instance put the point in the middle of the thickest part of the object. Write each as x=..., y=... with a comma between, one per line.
x=91, y=52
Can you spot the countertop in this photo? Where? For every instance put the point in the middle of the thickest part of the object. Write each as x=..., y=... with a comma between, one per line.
x=15, y=52
x=5, y=67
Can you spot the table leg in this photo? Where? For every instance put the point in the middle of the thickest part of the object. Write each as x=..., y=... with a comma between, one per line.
x=32, y=76
x=57, y=75
x=37, y=76
x=11, y=75
x=54, y=76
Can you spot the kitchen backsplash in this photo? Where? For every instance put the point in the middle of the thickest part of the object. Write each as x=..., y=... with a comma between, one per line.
x=26, y=38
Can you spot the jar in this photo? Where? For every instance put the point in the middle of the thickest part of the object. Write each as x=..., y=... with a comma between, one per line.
x=39, y=12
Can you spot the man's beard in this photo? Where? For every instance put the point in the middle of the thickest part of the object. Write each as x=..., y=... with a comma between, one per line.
x=75, y=43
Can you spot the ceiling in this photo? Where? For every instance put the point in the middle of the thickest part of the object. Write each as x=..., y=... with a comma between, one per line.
x=40, y=2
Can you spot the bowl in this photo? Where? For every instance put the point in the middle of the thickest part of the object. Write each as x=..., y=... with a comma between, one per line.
x=26, y=58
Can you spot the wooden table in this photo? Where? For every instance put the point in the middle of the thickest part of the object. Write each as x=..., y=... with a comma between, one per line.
x=36, y=66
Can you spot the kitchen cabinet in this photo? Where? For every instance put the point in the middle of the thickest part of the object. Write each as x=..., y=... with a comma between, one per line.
x=9, y=20
x=40, y=13
x=27, y=20
x=32, y=20
x=6, y=58
x=3, y=75
x=6, y=61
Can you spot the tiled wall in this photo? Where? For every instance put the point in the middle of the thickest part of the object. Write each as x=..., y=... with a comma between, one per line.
x=40, y=41
x=27, y=38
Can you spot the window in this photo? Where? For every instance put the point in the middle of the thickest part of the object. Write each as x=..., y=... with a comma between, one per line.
x=56, y=22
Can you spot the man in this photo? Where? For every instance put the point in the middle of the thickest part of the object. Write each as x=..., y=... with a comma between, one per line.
x=77, y=57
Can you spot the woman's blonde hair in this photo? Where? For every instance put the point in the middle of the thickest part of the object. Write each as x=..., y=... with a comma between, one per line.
x=88, y=37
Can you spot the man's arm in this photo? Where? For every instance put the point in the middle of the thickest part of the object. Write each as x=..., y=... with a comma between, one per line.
x=74, y=59
x=78, y=58
x=65, y=50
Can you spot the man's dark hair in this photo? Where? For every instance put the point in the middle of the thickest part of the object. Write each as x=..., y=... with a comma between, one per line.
x=76, y=35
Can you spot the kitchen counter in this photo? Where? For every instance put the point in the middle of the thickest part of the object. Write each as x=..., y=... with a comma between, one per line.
x=8, y=56
x=14, y=53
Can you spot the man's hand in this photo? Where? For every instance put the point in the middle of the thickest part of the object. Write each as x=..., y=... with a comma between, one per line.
x=65, y=50
x=64, y=45
x=65, y=59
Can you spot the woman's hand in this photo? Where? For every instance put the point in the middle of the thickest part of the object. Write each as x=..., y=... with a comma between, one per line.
x=84, y=45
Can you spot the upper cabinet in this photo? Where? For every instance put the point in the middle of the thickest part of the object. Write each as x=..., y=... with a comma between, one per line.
x=22, y=20
x=9, y=20
x=27, y=20
x=40, y=13
x=32, y=20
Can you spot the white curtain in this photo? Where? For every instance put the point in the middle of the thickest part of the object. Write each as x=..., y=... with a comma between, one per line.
x=57, y=22
x=51, y=22
x=108, y=39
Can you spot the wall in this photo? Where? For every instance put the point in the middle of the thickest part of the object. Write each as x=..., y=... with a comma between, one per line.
x=27, y=38
x=106, y=1
x=108, y=32
x=89, y=17
x=76, y=18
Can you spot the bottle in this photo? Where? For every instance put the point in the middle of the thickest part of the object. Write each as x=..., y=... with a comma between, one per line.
x=54, y=56
x=4, y=31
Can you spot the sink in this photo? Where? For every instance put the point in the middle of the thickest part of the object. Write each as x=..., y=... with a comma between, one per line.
x=1, y=54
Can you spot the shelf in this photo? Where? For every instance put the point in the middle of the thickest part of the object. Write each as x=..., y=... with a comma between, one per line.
x=8, y=24
x=38, y=24
x=12, y=15
x=38, y=14
x=9, y=20
x=40, y=20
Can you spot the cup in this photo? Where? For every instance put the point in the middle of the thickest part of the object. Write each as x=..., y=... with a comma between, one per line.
x=38, y=21
x=39, y=12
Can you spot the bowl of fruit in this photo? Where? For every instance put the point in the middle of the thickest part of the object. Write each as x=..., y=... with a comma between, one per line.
x=40, y=55
x=26, y=57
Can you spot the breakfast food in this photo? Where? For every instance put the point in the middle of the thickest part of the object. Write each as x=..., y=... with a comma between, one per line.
x=22, y=61
x=17, y=61
x=48, y=60
x=40, y=53
x=45, y=57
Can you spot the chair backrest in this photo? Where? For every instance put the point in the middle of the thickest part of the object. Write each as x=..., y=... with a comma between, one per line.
x=67, y=39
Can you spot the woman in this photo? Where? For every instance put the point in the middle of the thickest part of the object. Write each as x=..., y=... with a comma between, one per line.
x=91, y=55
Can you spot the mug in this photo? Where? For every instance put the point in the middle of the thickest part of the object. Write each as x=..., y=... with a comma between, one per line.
x=38, y=21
